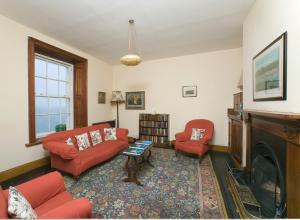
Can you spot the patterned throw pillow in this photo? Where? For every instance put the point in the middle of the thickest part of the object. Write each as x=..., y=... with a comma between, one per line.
x=82, y=141
x=18, y=206
x=110, y=134
x=69, y=141
x=95, y=137
x=197, y=134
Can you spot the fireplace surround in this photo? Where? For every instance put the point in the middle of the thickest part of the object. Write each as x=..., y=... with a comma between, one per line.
x=272, y=171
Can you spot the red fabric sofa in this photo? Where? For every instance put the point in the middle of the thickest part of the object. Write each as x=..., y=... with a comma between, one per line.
x=69, y=159
x=183, y=139
x=48, y=197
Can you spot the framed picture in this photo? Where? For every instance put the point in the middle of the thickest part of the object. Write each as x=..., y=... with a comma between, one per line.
x=189, y=91
x=101, y=97
x=135, y=100
x=269, y=71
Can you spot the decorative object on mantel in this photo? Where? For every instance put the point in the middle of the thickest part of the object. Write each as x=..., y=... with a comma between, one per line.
x=101, y=97
x=117, y=98
x=131, y=59
x=269, y=71
x=189, y=91
x=135, y=100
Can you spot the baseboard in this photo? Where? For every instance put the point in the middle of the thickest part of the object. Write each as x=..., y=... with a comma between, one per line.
x=16, y=171
x=219, y=148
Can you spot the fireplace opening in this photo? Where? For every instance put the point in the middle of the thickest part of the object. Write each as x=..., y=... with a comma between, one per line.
x=267, y=181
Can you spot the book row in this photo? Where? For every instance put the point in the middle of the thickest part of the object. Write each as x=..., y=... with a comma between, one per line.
x=155, y=139
x=154, y=124
x=154, y=131
x=150, y=117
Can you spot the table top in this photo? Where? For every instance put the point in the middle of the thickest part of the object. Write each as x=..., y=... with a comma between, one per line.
x=137, y=149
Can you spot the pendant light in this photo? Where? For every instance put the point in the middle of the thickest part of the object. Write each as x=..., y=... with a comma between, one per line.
x=131, y=59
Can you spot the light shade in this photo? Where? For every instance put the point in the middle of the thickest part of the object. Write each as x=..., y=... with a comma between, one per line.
x=117, y=96
x=131, y=59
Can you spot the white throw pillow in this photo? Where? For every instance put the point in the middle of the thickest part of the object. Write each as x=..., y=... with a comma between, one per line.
x=18, y=206
x=96, y=137
x=110, y=134
x=197, y=134
x=82, y=141
x=69, y=141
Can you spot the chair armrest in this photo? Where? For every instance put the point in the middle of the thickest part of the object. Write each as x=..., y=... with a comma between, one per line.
x=122, y=134
x=78, y=208
x=181, y=136
x=205, y=140
x=43, y=188
x=64, y=150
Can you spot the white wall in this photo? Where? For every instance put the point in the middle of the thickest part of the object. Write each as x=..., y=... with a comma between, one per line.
x=14, y=92
x=216, y=75
x=265, y=22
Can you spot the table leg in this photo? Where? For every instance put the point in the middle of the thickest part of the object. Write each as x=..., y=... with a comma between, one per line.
x=132, y=169
x=148, y=158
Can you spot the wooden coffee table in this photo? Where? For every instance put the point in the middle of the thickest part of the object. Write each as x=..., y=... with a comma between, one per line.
x=133, y=163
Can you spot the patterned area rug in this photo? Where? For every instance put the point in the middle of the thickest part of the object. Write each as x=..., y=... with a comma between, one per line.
x=177, y=187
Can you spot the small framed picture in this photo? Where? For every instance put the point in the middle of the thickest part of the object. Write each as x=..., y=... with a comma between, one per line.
x=189, y=91
x=135, y=100
x=101, y=97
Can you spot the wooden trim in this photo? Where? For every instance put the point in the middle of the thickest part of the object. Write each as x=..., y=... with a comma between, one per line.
x=219, y=148
x=80, y=83
x=16, y=171
x=277, y=115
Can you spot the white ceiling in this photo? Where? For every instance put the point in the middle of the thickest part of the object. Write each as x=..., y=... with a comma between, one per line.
x=165, y=28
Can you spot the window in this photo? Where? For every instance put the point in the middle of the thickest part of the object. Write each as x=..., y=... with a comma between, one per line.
x=57, y=89
x=53, y=94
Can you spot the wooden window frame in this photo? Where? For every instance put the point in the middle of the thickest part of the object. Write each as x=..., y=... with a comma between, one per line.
x=80, y=112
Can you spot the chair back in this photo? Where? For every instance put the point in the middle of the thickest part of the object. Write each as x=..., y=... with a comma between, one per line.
x=200, y=123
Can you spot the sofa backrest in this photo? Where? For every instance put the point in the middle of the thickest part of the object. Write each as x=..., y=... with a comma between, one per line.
x=64, y=135
x=3, y=205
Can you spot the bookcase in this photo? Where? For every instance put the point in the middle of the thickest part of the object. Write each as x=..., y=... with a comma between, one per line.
x=154, y=127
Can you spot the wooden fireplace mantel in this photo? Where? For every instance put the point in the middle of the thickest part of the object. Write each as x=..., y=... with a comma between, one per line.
x=287, y=127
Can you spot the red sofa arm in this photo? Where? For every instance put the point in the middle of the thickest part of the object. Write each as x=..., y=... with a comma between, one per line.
x=122, y=134
x=43, y=188
x=77, y=208
x=64, y=150
x=181, y=136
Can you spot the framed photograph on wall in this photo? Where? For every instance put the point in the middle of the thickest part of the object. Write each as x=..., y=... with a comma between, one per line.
x=189, y=91
x=269, y=71
x=101, y=97
x=135, y=100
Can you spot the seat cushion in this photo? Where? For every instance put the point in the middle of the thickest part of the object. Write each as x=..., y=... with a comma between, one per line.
x=194, y=147
x=53, y=203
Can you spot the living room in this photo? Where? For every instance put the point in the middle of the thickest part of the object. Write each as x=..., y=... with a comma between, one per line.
x=196, y=56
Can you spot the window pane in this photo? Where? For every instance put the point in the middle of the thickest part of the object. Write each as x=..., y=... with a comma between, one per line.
x=65, y=105
x=52, y=88
x=41, y=124
x=63, y=73
x=41, y=105
x=65, y=119
x=54, y=105
x=40, y=86
x=40, y=68
x=52, y=70
x=63, y=89
x=54, y=120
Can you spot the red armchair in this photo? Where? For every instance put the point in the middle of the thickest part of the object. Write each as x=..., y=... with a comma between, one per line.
x=48, y=197
x=183, y=139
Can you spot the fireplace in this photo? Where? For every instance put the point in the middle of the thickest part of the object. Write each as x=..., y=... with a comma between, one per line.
x=268, y=186
x=267, y=173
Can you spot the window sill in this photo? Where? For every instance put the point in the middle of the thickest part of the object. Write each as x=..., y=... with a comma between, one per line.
x=37, y=142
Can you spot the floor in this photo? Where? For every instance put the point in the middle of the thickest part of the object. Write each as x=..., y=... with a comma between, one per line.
x=219, y=161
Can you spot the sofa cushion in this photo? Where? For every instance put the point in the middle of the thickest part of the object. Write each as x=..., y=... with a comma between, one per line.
x=3, y=205
x=18, y=206
x=95, y=137
x=83, y=141
x=54, y=202
x=110, y=134
x=197, y=134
